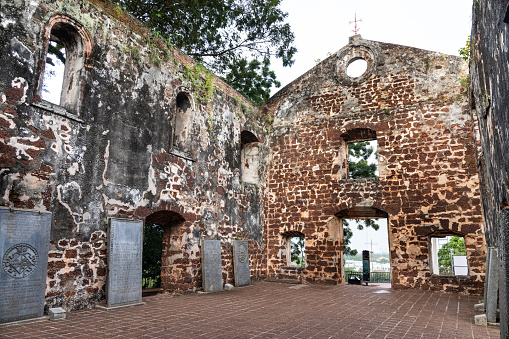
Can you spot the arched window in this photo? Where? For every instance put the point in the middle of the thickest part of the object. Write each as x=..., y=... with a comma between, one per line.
x=183, y=123
x=65, y=58
x=249, y=157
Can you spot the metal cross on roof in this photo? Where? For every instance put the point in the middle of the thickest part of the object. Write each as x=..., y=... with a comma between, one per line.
x=355, y=30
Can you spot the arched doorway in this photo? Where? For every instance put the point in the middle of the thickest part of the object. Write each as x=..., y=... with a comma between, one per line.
x=162, y=236
x=365, y=228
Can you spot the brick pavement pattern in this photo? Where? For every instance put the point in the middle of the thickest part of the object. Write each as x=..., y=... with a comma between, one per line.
x=275, y=310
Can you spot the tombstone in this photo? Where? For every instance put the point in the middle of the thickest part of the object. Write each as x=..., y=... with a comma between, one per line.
x=125, y=247
x=24, y=246
x=211, y=268
x=241, y=263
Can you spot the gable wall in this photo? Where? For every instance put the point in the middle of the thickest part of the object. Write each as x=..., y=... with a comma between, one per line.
x=428, y=180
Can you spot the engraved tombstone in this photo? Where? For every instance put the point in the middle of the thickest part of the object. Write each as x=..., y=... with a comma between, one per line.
x=125, y=246
x=241, y=263
x=24, y=246
x=212, y=271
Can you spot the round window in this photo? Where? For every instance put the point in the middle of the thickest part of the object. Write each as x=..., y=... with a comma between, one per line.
x=356, y=68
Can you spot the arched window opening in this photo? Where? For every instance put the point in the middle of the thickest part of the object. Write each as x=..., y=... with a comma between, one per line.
x=160, y=248
x=362, y=153
x=54, y=72
x=250, y=159
x=295, y=248
x=365, y=228
x=64, y=66
x=183, y=123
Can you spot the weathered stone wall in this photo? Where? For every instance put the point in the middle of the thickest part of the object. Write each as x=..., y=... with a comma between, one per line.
x=113, y=151
x=489, y=76
x=428, y=183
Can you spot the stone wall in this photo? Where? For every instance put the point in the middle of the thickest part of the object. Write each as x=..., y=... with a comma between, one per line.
x=489, y=87
x=412, y=101
x=120, y=144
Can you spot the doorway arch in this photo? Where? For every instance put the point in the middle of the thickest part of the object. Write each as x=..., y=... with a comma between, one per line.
x=170, y=226
x=380, y=262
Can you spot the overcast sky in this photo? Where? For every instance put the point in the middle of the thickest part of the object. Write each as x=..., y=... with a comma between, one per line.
x=322, y=26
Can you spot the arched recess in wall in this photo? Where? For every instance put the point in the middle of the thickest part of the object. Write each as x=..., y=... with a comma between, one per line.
x=362, y=210
x=66, y=43
x=249, y=156
x=183, y=122
x=168, y=246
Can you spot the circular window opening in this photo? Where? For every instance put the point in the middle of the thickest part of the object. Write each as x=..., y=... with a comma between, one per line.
x=356, y=68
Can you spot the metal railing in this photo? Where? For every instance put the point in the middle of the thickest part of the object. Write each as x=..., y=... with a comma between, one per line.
x=375, y=277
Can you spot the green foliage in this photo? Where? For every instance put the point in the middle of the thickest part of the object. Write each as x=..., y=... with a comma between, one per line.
x=465, y=52
x=57, y=50
x=152, y=253
x=358, y=167
x=254, y=79
x=358, y=155
x=347, y=235
x=465, y=82
x=200, y=80
x=298, y=251
x=134, y=51
x=426, y=63
x=485, y=100
x=224, y=35
x=455, y=246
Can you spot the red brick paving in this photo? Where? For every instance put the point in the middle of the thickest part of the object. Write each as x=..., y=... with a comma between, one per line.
x=273, y=310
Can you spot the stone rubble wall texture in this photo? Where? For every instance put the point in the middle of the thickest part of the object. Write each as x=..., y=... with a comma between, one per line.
x=114, y=158
x=489, y=96
x=428, y=182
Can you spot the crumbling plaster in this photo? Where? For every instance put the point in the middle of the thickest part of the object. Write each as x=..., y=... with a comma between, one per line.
x=112, y=157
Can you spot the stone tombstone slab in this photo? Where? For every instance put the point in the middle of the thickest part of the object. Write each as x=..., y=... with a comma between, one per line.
x=211, y=268
x=125, y=247
x=241, y=263
x=24, y=246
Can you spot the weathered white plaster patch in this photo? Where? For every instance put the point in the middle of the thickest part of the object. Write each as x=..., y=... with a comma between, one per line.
x=73, y=169
x=20, y=83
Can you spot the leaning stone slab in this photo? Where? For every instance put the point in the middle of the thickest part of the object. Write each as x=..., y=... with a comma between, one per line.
x=211, y=268
x=241, y=263
x=24, y=246
x=125, y=246
x=491, y=286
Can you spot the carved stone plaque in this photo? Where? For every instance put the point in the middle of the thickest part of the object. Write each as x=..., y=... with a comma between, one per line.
x=125, y=246
x=241, y=263
x=211, y=268
x=24, y=245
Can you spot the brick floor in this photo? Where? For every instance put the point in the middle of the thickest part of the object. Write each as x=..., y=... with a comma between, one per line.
x=273, y=310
